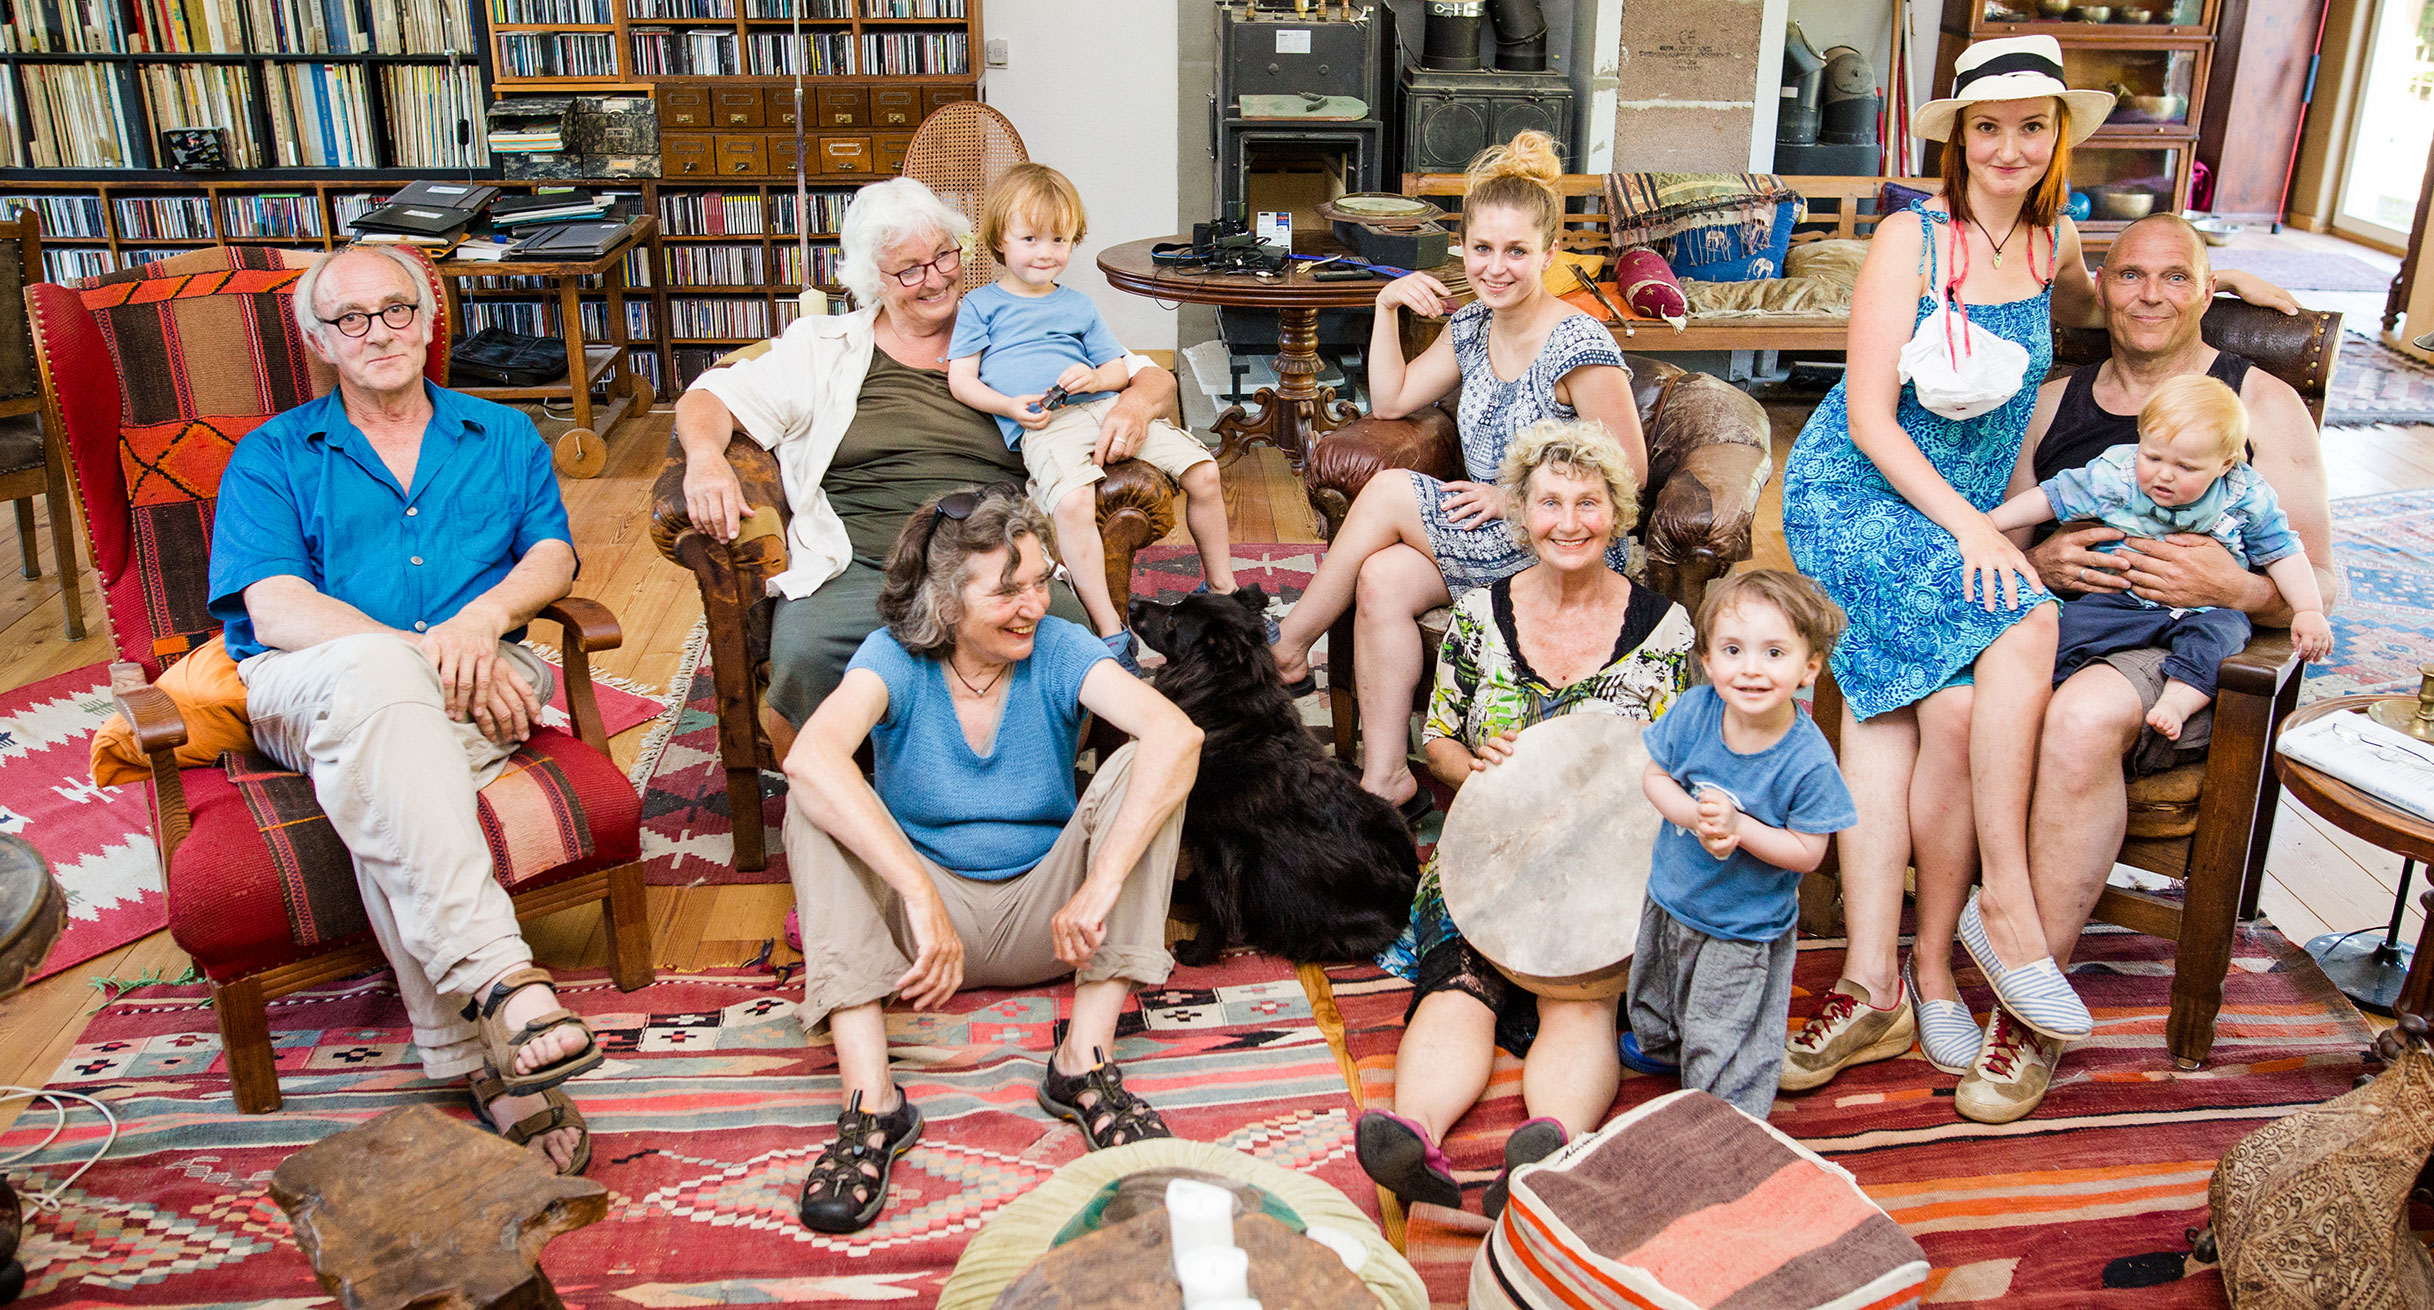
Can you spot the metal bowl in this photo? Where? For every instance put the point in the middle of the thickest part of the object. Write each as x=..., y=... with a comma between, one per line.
x=2216, y=232
x=2095, y=13
x=2133, y=15
x=2151, y=109
x=2053, y=8
x=2121, y=205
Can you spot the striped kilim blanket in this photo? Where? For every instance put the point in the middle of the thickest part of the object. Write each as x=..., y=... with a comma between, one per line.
x=2082, y=1205
x=1646, y=208
x=1748, y=1219
x=705, y=1118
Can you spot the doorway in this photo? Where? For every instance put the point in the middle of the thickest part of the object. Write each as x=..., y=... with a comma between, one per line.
x=2394, y=127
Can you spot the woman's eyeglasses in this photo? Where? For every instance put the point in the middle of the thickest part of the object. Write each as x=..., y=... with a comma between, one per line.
x=357, y=323
x=945, y=266
x=959, y=505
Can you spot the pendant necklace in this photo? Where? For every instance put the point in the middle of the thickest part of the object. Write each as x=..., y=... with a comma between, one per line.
x=1990, y=237
x=979, y=692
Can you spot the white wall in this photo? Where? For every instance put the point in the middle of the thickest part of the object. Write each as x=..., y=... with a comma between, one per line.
x=1090, y=84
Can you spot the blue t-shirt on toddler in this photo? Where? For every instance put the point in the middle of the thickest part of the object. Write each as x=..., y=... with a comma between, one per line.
x=1026, y=343
x=1794, y=785
x=991, y=815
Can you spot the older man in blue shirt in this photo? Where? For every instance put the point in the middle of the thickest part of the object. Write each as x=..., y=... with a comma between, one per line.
x=376, y=553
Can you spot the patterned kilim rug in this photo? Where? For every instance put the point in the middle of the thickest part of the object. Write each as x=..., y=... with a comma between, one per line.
x=2383, y=629
x=688, y=837
x=2075, y=1206
x=99, y=839
x=2304, y=270
x=2377, y=384
x=707, y=1116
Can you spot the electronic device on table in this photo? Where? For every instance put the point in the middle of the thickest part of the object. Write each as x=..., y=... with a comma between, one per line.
x=1223, y=245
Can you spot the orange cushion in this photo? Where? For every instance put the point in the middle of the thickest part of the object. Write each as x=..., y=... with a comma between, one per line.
x=207, y=691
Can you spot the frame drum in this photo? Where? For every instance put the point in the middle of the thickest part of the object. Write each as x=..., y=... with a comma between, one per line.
x=33, y=911
x=1544, y=859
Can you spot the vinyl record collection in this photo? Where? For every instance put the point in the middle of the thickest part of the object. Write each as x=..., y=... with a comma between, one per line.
x=318, y=116
x=205, y=95
x=82, y=116
x=435, y=116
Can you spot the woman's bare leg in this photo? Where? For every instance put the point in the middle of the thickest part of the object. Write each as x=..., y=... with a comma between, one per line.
x=1397, y=586
x=2082, y=807
x=1384, y=514
x=1943, y=836
x=2015, y=679
x=1572, y=1071
x=1442, y=1064
x=1878, y=757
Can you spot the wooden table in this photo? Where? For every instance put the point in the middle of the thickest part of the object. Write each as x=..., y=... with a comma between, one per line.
x=2371, y=973
x=579, y=445
x=1296, y=410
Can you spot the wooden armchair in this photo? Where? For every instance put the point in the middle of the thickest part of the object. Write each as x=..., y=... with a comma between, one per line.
x=1708, y=458
x=31, y=463
x=2207, y=822
x=261, y=893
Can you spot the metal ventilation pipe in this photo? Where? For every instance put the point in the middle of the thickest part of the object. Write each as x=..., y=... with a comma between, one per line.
x=1521, y=35
x=1450, y=41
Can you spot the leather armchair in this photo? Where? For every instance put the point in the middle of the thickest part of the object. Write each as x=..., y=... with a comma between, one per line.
x=2208, y=822
x=1136, y=508
x=1708, y=459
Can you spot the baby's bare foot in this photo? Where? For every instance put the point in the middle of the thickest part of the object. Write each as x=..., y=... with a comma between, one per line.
x=2165, y=722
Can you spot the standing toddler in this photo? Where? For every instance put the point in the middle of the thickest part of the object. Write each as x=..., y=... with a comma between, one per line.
x=1021, y=335
x=1751, y=794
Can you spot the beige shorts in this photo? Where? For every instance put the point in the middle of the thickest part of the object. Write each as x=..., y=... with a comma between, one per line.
x=1058, y=455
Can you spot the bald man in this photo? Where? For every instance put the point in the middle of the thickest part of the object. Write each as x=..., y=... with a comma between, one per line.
x=2156, y=285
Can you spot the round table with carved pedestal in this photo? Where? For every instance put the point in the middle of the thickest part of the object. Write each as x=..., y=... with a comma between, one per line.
x=1296, y=411
x=2372, y=972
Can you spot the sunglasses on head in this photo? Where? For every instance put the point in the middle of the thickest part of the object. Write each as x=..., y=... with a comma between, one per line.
x=959, y=505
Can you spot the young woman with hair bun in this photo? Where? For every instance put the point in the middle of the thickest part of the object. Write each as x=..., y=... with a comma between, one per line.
x=1412, y=542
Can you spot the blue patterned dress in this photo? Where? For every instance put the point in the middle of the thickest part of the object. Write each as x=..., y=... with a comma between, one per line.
x=1492, y=410
x=1895, y=572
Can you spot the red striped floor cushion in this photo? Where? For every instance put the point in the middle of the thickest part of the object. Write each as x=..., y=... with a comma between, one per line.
x=263, y=880
x=1745, y=1218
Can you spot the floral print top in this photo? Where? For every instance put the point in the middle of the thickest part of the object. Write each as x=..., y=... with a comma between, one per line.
x=1485, y=686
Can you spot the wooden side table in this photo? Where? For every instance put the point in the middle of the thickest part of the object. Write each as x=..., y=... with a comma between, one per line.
x=2371, y=972
x=580, y=447
x=1296, y=411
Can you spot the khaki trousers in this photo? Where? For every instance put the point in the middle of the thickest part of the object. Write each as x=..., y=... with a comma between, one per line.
x=858, y=940
x=363, y=717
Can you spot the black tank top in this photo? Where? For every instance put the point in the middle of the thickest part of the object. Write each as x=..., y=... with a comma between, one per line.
x=2082, y=429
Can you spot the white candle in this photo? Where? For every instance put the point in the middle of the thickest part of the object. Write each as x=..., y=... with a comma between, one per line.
x=1347, y=1247
x=1213, y=1274
x=1202, y=1215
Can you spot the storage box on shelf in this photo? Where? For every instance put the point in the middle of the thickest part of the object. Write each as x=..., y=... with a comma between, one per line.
x=2154, y=55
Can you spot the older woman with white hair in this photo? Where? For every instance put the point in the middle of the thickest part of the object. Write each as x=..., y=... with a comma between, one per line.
x=967, y=857
x=1566, y=635
x=857, y=409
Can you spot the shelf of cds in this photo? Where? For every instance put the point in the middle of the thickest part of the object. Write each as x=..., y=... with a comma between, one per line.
x=570, y=42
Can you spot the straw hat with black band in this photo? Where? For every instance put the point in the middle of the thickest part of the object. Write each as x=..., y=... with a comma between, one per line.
x=2011, y=68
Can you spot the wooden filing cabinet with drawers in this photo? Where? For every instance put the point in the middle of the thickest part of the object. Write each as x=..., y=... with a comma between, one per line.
x=858, y=131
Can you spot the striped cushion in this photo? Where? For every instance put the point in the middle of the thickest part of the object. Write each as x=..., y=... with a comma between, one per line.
x=1749, y=1220
x=263, y=879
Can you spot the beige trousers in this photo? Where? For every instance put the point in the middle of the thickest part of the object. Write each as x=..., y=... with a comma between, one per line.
x=363, y=717
x=858, y=940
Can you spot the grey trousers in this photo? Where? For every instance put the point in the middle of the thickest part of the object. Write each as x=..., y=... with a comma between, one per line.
x=857, y=939
x=812, y=637
x=363, y=717
x=1717, y=1007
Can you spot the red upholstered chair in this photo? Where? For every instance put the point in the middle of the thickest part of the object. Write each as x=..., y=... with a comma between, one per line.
x=152, y=380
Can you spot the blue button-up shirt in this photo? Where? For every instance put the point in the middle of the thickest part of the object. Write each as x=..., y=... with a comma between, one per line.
x=306, y=495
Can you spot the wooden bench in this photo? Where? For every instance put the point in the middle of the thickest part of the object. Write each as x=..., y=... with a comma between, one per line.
x=1839, y=207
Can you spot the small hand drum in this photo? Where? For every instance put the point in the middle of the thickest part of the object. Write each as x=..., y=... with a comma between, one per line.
x=1545, y=856
x=33, y=912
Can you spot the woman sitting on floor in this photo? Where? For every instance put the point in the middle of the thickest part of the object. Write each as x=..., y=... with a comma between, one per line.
x=1567, y=635
x=1411, y=542
x=973, y=839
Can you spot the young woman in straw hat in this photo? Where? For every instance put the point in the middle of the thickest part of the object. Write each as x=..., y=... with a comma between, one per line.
x=1948, y=660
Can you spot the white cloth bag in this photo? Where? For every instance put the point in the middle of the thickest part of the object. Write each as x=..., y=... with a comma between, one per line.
x=1959, y=369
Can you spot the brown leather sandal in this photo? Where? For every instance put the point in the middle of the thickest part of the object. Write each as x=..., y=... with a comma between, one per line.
x=499, y=1046
x=561, y=1113
x=1098, y=1103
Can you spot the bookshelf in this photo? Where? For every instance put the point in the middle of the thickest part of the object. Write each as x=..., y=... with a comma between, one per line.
x=731, y=269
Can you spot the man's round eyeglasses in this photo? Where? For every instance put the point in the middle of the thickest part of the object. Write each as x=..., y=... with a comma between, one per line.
x=945, y=266
x=356, y=323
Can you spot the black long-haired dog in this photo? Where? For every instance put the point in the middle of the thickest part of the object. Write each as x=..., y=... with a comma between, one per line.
x=1288, y=853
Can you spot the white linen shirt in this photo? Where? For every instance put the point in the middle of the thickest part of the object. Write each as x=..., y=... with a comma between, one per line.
x=797, y=400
